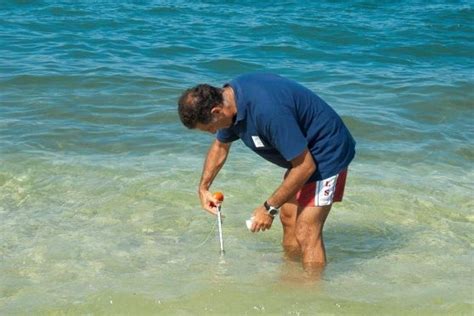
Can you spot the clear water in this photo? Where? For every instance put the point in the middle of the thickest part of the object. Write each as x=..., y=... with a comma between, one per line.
x=98, y=205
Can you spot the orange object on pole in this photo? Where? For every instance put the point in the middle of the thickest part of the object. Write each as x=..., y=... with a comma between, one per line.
x=219, y=196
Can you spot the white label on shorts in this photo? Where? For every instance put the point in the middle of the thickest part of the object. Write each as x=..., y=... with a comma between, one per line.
x=325, y=191
x=257, y=141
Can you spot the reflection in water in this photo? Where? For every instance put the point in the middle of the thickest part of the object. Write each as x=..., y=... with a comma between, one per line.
x=221, y=270
x=294, y=272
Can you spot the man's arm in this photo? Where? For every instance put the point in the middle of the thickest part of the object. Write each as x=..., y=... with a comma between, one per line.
x=215, y=159
x=303, y=166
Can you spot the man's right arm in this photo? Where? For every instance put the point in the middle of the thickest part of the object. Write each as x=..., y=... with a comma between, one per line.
x=215, y=159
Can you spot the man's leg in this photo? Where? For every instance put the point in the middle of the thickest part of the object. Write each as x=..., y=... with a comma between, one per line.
x=288, y=214
x=309, y=234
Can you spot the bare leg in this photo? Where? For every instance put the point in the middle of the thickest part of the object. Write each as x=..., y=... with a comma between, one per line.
x=288, y=215
x=309, y=235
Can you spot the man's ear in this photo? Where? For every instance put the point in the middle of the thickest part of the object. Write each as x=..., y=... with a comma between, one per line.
x=216, y=110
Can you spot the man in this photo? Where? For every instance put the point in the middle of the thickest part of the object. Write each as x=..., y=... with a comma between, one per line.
x=290, y=126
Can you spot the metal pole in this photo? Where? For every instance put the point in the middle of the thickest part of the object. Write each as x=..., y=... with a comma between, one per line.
x=219, y=225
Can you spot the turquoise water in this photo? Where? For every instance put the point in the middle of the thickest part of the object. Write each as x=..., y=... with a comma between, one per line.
x=98, y=206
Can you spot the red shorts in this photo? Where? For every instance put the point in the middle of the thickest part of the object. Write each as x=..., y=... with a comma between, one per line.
x=323, y=192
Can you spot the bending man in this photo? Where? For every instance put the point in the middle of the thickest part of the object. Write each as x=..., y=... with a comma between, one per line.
x=290, y=126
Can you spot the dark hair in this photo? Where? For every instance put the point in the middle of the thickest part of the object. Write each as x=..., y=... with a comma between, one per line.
x=195, y=104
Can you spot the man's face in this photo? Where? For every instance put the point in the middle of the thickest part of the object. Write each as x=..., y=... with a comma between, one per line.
x=220, y=119
x=210, y=128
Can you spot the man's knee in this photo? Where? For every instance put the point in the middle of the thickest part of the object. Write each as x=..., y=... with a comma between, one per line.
x=287, y=219
x=309, y=225
x=288, y=214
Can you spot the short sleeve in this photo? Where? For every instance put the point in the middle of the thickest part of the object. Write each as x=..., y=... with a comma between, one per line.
x=226, y=135
x=284, y=134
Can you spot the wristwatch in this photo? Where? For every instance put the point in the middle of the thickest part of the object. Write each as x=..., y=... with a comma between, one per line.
x=271, y=210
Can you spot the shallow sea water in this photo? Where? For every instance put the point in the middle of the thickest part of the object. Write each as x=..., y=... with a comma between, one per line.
x=98, y=206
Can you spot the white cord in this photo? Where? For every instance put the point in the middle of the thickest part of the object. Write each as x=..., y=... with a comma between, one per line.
x=213, y=229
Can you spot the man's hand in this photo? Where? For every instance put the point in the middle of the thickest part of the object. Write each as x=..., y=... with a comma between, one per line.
x=262, y=220
x=214, y=161
x=208, y=202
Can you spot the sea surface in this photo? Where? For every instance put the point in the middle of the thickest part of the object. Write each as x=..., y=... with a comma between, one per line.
x=98, y=207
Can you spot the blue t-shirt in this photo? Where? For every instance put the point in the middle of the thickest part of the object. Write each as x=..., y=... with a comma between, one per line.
x=278, y=119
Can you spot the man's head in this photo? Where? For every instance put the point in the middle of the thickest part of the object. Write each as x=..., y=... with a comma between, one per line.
x=203, y=107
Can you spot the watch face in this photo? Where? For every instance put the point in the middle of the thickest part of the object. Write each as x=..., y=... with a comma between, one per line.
x=273, y=212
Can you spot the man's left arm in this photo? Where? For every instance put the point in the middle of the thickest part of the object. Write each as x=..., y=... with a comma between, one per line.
x=303, y=166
